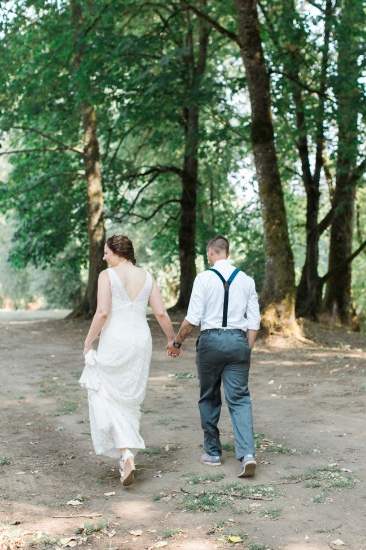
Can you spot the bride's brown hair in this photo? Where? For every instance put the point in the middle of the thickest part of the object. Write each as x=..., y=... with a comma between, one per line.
x=122, y=246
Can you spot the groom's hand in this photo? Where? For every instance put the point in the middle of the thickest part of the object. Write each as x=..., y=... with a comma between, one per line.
x=171, y=351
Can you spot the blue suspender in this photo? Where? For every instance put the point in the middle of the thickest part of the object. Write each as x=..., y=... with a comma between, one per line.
x=226, y=288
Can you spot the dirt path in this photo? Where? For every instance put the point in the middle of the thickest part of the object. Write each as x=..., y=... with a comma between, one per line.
x=309, y=411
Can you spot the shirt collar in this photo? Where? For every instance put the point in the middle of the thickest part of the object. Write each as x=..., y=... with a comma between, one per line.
x=219, y=263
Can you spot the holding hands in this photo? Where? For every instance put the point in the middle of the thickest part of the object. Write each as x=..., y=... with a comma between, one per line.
x=173, y=349
x=173, y=346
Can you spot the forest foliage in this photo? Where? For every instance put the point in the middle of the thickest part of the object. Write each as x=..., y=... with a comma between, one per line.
x=164, y=107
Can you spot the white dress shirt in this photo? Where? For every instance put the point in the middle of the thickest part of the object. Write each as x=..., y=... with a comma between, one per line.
x=207, y=300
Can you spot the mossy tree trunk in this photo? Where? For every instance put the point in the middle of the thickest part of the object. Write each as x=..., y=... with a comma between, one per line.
x=278, y=294
x=94, y=188
x=337, y=300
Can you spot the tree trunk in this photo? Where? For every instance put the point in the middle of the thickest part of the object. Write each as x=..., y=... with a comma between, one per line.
x=309, y=290
x=337, y=300
x=277, y=298
x=96, y=234
x=187, y=226
x=94, y=189
x=189, y=177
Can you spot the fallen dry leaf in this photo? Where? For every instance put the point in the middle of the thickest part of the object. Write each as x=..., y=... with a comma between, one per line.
x=136, y=533
x=159, y=544
x=338, y=542
x=71, y=542
x=110, y=494
x=235, y=539
x=65, y=540
x=74, y=502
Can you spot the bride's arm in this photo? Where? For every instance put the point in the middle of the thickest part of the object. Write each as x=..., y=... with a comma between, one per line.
x=103, y=309
x=157, y=305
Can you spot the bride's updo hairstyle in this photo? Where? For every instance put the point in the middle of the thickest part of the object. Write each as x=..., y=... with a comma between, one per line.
x=122, y=246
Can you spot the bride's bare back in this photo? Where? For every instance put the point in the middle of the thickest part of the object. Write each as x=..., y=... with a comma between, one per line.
x=133, y=278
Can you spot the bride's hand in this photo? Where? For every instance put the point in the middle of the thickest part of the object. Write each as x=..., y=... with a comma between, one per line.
x=86, y=349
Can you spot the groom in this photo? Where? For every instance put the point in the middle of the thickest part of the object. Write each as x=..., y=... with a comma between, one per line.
x=220, y=298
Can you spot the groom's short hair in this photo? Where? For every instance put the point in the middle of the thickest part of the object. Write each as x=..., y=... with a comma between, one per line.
x=218, y=244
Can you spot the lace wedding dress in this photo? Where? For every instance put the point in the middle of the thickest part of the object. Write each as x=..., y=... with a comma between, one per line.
x=116, y=374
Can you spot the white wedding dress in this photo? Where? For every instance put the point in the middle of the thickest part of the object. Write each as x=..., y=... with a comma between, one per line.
x=116, y=374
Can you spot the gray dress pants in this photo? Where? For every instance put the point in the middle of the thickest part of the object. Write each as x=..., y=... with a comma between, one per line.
x=224, y=355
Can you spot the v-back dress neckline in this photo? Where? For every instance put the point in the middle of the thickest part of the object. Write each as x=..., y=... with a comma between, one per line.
x=123, y=286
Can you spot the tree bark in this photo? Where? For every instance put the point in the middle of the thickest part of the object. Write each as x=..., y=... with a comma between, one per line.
x=189, y=176
x=309, y=290
x=96, y=233
x=277, y=298
x=337, y=300
x=94, y=188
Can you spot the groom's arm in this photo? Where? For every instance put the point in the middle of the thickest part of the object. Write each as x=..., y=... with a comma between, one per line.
x=183, y=333
x=193, y=317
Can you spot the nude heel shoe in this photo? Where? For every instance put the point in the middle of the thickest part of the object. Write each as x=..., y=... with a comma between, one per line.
x=128, y=469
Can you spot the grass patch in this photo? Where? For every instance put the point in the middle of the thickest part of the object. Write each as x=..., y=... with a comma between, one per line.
x=180, y=427
x=159, y=496
x=264, y=443
x=206, y=478
x=68, y=408
x=43, y=540
x=325, y=529
x=219, y=524
x=182, y=375
x=326, y=478
x=240, y=490
x=225, y=496
x=273, y=513
x=171, y=532
x=165, y=421
x=206, y=502
x=59, y=503
x=49, y=389
x=152, y=452
x=319, y=498
x=4, y=461
x=89, y=527
x=150, y=411
x=228, y=447
x=256, y=546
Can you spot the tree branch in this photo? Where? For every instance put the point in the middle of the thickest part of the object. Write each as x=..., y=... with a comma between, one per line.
x=147, y=218
x=317, y=6
x=96, y=20
x=40, y=182
x=151, y=169
x=301, y=84
x=50, y=138
x=229, y=127
x=232, y=36
x=32, y=150
x=343, y=264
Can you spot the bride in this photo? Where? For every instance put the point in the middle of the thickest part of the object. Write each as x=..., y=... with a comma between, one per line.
x=116, y=374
